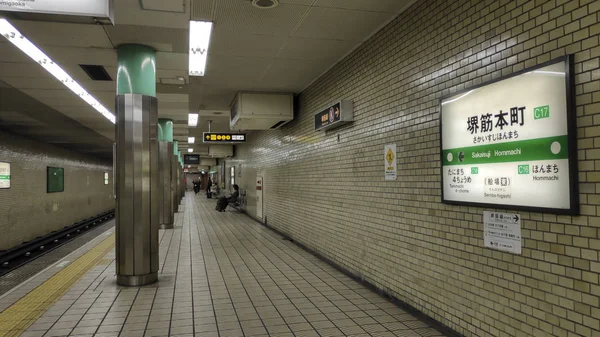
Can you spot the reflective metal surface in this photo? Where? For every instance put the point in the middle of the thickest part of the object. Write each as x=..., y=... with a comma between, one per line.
x=174, y=190
x=166, y=214
x=137, y=204
x=138, y=280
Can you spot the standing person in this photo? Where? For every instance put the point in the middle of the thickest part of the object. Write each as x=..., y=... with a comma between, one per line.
x=208, y=187
x=196, y=186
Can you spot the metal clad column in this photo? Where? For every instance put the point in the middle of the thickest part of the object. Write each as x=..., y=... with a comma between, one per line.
x=165, y=148
x=137, y=204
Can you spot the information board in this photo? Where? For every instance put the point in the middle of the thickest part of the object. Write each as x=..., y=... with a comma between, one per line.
x=334, y=115
x=92, y=8
x=55, y=180
x=511, y=143
x=191, y=159
x=4, y=175
x=212, y=137
x=502, y=231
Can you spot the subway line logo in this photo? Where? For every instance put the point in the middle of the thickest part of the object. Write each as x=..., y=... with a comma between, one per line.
x=523, y=169
x=541, y=112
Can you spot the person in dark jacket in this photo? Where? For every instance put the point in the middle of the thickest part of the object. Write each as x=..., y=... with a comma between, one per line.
x=208, y=191
x=196, y=186
x=224, y=201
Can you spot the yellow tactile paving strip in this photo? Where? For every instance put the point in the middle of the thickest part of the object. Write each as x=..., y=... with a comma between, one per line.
x=19, y=316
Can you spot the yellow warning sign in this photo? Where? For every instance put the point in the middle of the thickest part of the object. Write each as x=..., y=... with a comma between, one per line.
x=390, y=165
x=390, y=157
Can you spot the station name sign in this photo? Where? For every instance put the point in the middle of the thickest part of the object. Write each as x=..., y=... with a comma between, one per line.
x=334, y=115
x=86, y=8
x=209, y=137
x=511, y=143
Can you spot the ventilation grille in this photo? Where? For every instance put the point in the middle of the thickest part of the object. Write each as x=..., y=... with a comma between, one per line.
x=278, y=124
x=96, y=73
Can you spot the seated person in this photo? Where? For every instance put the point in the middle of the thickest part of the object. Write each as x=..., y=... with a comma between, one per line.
x=224, y=201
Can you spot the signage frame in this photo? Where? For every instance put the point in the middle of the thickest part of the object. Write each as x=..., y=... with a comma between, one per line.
x=204, y=134
x=9, y=176
x=43, y=9
x=574, y=201
x=187, y=162
x=346, y=114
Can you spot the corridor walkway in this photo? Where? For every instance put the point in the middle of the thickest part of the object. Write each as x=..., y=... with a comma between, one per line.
x=222, y=275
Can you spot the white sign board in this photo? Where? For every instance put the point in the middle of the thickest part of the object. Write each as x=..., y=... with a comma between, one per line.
x=508, y=143
x=502, y=231
x=4, y=175
x=389, y=162
x=93, y=8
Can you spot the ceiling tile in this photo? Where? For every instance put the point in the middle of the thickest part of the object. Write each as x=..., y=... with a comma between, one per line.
x=316, y=49
x=388, y=6
x=63, y=34
x=340, y=24
x=292, y=75
x=177, y=6
x=240, y=18
x=202, y=10
x=223, y=42
x=130, y=12
x=161, y=39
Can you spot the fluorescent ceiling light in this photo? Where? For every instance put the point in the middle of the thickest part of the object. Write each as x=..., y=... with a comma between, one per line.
x=456, y=99
x=190, y=150
x=193, y=120
x=199, y=40
x=21, y=42
x=191, y=140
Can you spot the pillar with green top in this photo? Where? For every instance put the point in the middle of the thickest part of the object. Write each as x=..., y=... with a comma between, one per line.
x=137, y=212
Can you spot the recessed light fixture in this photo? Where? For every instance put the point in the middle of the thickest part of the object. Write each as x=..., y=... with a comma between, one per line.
x=15, y=37
x=199, y=40
x=265, y=4
x=191, y=140
x=190, y=150
x=193, y=120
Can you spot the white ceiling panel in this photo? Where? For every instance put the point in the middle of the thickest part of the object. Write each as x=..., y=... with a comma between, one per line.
x=387, y=6
x=340, y=24
x=130, y=12
x=63, y=34
x=25, y=70
x=298, y=2
x=161, y=39
x=223, y=42
x=315, y=49
x=28, y=83
x=227, y=70
x=292, y=75
x=175, y=61
x=242, y=18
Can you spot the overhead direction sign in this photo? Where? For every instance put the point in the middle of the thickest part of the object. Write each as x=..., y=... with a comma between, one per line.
x=334, y=115
x=220, y=137
x=82, y=8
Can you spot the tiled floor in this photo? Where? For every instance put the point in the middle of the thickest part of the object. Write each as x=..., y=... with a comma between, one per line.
x=223, y=275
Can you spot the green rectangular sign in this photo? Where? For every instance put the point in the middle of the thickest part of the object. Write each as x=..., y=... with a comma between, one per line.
x=541, y=112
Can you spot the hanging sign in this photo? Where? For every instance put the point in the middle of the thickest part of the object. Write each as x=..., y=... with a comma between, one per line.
x=391, y=168
x=502, y=231
x=191, y=159
x=334, y=115
x=87, y=8
x=220, y=137
x=4, y=175
x=511, y=143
